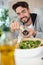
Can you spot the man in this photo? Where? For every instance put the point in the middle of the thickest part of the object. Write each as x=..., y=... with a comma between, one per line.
x=23, y=12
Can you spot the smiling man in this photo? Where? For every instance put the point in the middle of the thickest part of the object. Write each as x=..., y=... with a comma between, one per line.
x=23, y=12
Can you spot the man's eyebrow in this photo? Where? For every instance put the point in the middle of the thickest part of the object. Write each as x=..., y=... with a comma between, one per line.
x=18, y=13
x=23, y=10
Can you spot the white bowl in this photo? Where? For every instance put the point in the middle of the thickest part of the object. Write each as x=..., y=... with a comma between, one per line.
x=24, y=53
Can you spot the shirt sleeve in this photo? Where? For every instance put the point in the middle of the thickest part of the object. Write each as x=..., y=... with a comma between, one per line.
x=38, y=28
x=37, y=24
x=39, y=35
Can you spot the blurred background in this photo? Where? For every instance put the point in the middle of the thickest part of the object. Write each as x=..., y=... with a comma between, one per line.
x=33, y=4
x=7, y=14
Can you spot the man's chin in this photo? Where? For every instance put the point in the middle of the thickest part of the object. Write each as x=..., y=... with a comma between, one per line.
x=24, y=22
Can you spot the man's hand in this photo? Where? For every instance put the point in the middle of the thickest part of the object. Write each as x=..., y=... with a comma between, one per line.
x=31, y=32
x=14, y=26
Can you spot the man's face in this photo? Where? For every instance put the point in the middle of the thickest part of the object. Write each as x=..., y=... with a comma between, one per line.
x=23, y=14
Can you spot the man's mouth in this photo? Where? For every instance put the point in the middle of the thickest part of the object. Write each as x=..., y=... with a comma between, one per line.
x=25, y=19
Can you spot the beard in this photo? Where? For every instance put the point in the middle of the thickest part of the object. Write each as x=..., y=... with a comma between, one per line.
x=25, y=19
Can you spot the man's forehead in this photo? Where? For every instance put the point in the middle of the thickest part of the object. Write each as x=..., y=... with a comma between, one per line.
x=19, y=9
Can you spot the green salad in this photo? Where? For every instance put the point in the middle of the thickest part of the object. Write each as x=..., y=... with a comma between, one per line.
x=28, y=44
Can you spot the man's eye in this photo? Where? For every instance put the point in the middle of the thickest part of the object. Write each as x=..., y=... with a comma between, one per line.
x=23, y=11
x=18, y=13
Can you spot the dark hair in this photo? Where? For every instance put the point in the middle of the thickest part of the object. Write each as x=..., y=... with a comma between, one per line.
x=21, y=3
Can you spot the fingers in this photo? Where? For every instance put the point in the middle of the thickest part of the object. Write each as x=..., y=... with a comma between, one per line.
x=14, y=26
x=17, y=25
x=30, y=33
x=20, y=31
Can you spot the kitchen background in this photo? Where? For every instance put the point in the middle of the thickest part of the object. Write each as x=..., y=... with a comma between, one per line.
x=33, y=4
x=36, y=6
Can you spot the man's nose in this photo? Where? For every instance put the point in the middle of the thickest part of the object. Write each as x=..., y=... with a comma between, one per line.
x=21, y=15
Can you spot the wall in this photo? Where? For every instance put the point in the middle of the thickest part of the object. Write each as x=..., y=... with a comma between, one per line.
x=32, y=4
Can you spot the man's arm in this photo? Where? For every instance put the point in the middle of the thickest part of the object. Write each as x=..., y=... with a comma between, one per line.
x=38, y=27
